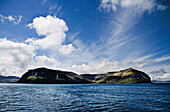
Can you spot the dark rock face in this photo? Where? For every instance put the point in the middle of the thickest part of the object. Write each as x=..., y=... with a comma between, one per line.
x=4, y=79
x=48, y=76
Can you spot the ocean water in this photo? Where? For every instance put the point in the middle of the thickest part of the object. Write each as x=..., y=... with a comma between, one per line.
x=84, y=97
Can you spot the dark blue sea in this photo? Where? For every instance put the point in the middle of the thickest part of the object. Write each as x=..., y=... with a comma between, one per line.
x=84, y=97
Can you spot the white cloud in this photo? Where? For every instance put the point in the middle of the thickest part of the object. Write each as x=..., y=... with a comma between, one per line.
x=143, y=58
x=15, y=57
x=3, y=71
x=49, y=25
x=161, y=7
x=139, y=6
x=66, y=49
x=44, y=60
x=162, y=59
x=99, y=66
x=164, y=77
x=109, y=4
x=15, y=53
x=160, y=74
x=54, y=31
x=157, y=70
x=104, y=65
x=13, y=19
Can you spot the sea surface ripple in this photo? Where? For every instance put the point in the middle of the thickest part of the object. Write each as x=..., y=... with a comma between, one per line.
x=84, y=97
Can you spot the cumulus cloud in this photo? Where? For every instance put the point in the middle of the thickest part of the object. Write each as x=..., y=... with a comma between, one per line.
x=13, y=53
x=44, y=60
x=98, y=66
x=18, y=57
x=13, y=19
x=15, y=56
x=66, y=49
x=54, y=30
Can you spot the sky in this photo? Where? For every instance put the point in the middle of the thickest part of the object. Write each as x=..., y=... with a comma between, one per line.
x=85, y=36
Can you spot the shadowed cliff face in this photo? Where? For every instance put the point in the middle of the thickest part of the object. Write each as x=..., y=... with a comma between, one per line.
x=44, y=75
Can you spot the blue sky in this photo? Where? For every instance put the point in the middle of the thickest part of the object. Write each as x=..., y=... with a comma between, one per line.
x=89, y=36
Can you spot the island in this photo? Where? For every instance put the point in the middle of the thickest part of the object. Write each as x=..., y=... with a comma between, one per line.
x=49, y=76
x=8, y=79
